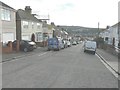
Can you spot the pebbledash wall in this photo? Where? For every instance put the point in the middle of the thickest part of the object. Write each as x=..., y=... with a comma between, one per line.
x=8, y=25
x=8, y=20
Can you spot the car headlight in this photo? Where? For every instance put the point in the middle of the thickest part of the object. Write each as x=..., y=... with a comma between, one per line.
x=32, y=43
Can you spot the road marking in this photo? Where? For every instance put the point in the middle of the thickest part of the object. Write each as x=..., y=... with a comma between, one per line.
x=108, y=67
x=19, y=57
x=43, y=54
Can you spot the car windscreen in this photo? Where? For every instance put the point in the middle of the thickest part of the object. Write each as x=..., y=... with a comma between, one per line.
x=52, y=41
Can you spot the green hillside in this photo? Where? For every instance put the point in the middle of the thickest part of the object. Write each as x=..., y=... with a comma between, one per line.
x=78, y=30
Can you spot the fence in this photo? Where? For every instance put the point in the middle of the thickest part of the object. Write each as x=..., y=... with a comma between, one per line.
x=8, y=48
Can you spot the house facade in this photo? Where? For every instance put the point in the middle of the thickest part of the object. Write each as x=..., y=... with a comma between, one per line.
x=111, y=35
x=7, y=23
x=105, y=35
x=113, y=38
x=47, y=31
x=119, y=32
x=28, y=26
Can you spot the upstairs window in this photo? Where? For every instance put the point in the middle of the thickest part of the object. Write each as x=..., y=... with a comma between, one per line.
x=32, y=25
x=5, y=15
x=38, y=25
x=25, y=24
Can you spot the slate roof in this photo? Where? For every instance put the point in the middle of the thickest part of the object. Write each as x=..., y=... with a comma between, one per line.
x=23, y=15
x=5, y=5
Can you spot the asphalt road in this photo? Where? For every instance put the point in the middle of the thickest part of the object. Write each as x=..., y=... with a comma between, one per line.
x=67, y=68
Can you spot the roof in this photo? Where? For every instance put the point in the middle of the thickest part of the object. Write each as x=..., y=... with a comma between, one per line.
x=45, y=24
x=5, y=5
x=23, y=15
x=116, y=24
x=65, y=32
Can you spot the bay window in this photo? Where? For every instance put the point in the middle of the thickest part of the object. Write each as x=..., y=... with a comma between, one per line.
x=5, y=15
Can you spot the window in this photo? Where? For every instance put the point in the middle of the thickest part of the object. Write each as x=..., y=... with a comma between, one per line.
x=25, y=24
x=38, y=25
x=39, y=37
x=5, y=15
x=32, y=25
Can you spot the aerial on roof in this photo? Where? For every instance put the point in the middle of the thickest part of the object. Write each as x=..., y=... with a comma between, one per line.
x=23, y=15
x=5, y=5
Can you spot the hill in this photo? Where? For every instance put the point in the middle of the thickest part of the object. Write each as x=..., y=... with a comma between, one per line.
x=81, y=31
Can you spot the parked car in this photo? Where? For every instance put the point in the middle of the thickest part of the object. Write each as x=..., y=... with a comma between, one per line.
x=90, y=46
x=68, y=43
x=25, y=45
x=74, y=43
x=65, y=43
x=78, y=42
x=55, y=44
x=34, y=44
x=81, y=42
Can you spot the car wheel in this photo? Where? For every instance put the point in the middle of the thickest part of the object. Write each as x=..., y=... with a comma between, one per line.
x=94, y=53
x=48, y=49
x=59, y=49
x=84, y=50
x=25, y=50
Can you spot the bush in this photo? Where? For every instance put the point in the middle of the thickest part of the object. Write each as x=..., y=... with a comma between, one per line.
x=100, y=42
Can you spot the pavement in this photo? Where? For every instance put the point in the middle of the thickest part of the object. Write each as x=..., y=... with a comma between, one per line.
x=20, y=54
x=108, y=58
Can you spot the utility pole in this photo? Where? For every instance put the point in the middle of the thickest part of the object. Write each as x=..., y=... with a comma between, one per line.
x=98, y=29
x=98, y=25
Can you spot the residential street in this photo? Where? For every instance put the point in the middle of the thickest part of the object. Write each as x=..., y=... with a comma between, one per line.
x=67, y=68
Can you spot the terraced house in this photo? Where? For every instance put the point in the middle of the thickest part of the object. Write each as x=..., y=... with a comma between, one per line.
x=7, y=23
x=28, y=26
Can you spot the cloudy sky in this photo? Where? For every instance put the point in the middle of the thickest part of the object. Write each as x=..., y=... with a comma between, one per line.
x=85, y=13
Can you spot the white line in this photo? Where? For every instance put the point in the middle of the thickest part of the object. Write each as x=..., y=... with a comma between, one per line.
x=113, y=72
x=43, y=54
x=20, y=58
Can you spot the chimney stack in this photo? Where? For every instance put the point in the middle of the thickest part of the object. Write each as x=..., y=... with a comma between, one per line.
x=28, y=9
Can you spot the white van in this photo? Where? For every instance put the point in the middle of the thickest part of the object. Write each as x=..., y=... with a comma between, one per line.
x=90, y=46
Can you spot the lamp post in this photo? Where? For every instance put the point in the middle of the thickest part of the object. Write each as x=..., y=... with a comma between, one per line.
x=53, y=33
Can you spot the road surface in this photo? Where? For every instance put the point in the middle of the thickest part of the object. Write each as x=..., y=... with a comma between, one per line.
x=67, y=68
